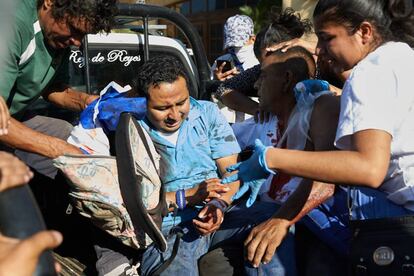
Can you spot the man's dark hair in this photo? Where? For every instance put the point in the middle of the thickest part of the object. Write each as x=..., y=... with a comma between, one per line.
x=157, y=70
x=98, y=13
x=297, y=59
x=282, y=26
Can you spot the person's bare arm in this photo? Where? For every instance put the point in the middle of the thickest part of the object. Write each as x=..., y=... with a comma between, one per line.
x=69, y=98
x=4, y=117
x=310, y=194
x=222, y=164
x=22, y=137
x=240, y=102
x=368, y=162
x=202, y=192
x=232, y=92
x=286, y=45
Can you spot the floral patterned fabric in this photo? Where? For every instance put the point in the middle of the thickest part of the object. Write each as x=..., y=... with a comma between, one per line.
x=96, y=194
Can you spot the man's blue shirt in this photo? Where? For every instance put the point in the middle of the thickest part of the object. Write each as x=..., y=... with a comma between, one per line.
x=203, y=137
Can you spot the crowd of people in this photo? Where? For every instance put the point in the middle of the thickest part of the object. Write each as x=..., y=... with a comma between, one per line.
x=332, y=126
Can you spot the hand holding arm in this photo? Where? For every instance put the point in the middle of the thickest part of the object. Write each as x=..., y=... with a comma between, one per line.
x=210, y=217
x=251, y=172
x=205, y=191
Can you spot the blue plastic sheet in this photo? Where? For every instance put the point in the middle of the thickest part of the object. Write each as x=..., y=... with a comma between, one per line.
x=110, y=106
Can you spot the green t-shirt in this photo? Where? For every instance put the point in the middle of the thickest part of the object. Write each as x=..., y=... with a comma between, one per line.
x=28, y=65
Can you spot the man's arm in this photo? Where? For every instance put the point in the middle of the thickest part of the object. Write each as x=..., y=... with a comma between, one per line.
x=69, y=98
x=22, y=137
x=322, y=130
x=264, y=239
x=222, y=164
x=212, y=214
x=4, y=116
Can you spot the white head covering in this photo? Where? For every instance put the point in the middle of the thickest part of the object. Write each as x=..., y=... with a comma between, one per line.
x=237, y=30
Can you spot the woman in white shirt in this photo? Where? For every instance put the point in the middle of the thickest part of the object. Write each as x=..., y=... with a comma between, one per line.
x=376, y=125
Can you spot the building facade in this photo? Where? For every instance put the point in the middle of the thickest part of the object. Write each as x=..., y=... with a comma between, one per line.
x=209, y=16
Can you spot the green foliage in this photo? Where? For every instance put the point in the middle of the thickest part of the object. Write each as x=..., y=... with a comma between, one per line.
x=259, y=12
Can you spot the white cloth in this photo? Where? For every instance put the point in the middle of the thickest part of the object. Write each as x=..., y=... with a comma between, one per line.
x=94, y=141
x=246, y=56
x=379, y=95
x=248, y=131
x=171, y=137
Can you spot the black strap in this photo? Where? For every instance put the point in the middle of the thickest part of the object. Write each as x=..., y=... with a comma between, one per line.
x=128, y=180
x=20, y=217
x=179, y=233
x=144, y=138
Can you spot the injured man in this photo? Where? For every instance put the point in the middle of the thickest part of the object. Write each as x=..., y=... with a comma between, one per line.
x=195, y=144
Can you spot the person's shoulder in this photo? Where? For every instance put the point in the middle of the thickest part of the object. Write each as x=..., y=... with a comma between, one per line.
x=326, y=105
x=206, y=106
x=324, y=121
x=25, y=13
x=225, y=57
x=25, y=19
x=386, y=57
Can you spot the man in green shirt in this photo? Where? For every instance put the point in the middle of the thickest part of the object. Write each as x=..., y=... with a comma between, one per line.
x=43, y=32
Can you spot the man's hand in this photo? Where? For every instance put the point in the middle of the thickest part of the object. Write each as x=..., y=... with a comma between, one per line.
x=252, y=172
x=13, y=172
x=205, y=191
x=20, y=257
x=264, y=239
x=69, y=98
x=222, y=76
x=209, y=219
x=4, y=117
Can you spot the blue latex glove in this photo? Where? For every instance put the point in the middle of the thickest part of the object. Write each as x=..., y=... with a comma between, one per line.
x=307, y=91
x=252, y=172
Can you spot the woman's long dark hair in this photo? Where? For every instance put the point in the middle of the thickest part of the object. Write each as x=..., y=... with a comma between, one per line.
x=393, y=19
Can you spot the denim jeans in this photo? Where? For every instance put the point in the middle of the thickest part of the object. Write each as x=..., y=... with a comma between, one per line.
x=237, y=224
x=330, y=221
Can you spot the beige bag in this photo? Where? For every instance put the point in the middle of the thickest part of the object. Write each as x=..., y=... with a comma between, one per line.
x=96, y=192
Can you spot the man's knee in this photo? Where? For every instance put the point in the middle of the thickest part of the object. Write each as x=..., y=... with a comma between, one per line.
x=50, y=126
